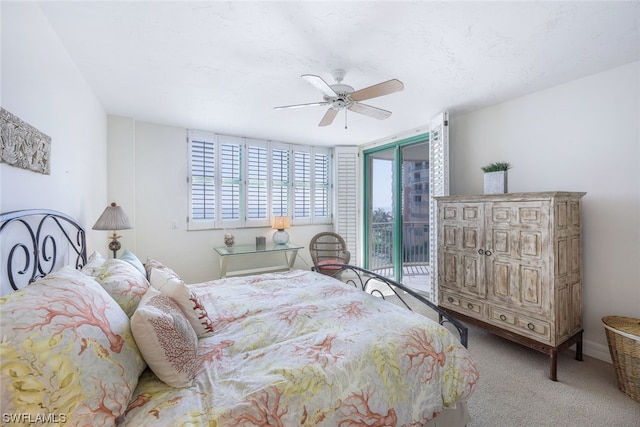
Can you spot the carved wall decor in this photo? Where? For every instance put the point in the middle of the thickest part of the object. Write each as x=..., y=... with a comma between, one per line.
x=23, y=145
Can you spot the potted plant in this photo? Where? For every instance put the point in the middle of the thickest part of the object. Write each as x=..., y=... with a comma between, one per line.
x=495, y=177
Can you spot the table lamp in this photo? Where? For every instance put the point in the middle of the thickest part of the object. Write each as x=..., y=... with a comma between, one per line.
x=113, y=218
x=280, y=223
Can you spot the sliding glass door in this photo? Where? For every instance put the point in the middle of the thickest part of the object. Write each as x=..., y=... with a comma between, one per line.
x=382, y=206
x=415, y=212
x=397, y=206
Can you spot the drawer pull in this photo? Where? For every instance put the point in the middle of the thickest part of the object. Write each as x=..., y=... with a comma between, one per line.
x=531, y=326
x=470, y=306
x=487, y=253
x=480, y=251
x=503, y=317
x=450, y=299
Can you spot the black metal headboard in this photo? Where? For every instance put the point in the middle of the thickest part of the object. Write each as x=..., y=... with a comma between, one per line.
x=34, y=242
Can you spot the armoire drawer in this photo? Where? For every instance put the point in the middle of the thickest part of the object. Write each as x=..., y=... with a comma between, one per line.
x=463, y=305
x=534, y=328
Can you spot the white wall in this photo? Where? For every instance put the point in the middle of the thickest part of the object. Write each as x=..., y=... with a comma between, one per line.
x=580, y=136
x=43, y=87
x=150, y=184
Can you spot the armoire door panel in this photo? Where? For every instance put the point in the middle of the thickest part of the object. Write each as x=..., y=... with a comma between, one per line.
x=530, y=244
x=530, y=286
x=562, y=257
x=450, y=269
x=450, y=236
x=501, y=214
x=472, y=275
x=575, y=288
x=450, y=213
x=562, y=218
x=500, y=242
x=501, y=280
x=563, y=318
x=575, y=254
x=470, y=238
x=470, y=213
x=530, y=215
x=573, y=209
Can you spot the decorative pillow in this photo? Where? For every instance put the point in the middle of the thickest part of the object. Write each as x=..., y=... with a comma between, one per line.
x=192, y=305
x=94, y=261
x=124, y=283
x=166, y=339
x=67, y=349
x=132, y=259
x=153, y=263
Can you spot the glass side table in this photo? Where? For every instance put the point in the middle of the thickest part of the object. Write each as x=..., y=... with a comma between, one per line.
x=289, y=252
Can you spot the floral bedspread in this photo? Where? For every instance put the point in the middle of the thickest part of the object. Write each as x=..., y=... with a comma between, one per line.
x=300, y=348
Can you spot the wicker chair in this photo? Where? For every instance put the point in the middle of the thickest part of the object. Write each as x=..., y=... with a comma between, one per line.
x=329, y=248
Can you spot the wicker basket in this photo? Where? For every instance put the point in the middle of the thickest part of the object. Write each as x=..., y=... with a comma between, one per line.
x=623, y=336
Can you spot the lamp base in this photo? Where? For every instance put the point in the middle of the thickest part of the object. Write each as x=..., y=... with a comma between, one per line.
x=280, y=237
x=114, y=245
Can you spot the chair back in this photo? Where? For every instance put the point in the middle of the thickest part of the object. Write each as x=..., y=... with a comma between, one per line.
x=328, y=248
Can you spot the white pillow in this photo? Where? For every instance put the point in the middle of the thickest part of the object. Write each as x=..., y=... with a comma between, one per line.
x=94, y=261
x=166, y=339
x=193, y=305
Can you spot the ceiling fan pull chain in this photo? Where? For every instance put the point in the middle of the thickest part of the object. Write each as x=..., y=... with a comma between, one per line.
x=345, y=118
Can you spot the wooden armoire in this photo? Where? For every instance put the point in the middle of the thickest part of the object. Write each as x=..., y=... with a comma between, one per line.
x=512, y=264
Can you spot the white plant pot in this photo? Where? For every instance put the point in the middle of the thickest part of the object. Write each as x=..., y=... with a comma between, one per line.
x=495, y=182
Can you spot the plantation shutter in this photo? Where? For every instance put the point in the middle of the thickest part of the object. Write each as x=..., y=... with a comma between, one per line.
x=321, y=200
x=301, y=186
x=347, y=197
x=230, y=181
x=257, y=184
x=438, y=186
x=280, y=180
x=202, y=194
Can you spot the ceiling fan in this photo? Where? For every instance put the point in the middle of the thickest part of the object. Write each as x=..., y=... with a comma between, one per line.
x=343, y=97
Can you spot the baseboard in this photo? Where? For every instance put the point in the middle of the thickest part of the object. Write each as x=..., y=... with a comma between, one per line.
x=596, y=350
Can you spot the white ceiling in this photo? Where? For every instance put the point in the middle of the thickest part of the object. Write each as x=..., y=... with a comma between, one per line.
x=223, y=66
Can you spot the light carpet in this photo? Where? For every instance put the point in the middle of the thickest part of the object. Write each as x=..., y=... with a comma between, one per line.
x=514, y=389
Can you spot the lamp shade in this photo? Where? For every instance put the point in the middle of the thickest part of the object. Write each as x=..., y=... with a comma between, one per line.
x=113, y=218
x=281, y=222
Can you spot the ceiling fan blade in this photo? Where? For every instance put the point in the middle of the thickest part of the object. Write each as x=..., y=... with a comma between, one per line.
x=311, y=104
x=328, y=117
x=320, y=84
x=385, y=88
x=368, y=110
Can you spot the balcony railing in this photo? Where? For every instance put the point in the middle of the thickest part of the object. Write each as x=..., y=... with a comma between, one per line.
x=415, y=244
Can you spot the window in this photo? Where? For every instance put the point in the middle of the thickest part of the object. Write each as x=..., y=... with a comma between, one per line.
x=242, y=182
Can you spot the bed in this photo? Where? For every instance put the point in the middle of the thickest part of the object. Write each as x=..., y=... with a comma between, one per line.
x=94, y=341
